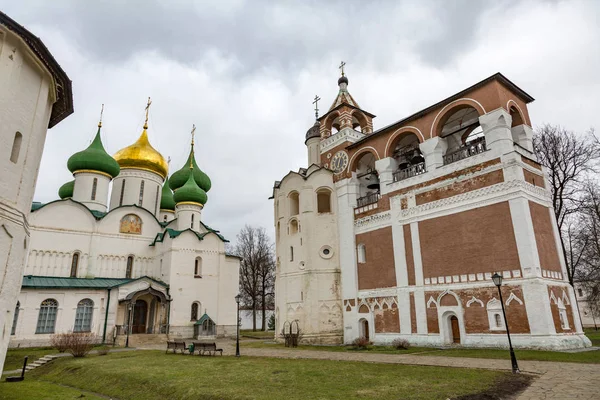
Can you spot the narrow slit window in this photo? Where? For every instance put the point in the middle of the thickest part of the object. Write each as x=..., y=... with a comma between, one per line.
x=156, y=201
x=13, y=330
x=16, y=147
x=74, y=265
x=94, y=187
x=192, y=223
x=141, y=199
x=129, y=267
x=122, y=193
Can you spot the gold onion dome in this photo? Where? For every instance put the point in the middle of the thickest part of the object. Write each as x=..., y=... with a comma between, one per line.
x=141, y=155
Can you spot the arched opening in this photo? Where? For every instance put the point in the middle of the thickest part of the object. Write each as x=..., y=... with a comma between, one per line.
x=47, y=317
x=517, y=118
x=140, y=314
x=13, y=330
x=368, y=179
x=16, y=147
x=83, y=316
x=198, y=267
x=293, y=227
x=361, y=253
x=363, y=328
x=498, y=320
x=332, y=124
x=359, y=122
x=129, y=267
x=74, y=264
x=494, y=311
x=323, y=201
x=192, y=222
x=406, y=152
x=454, y=329
x=194, y=313
x=463, y=134
x=294, y=199
x=94, y=187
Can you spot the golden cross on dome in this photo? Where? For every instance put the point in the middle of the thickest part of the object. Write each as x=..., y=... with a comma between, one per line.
x=101, y=112
x=316, y=103
x=341, y=67
x=147, y=109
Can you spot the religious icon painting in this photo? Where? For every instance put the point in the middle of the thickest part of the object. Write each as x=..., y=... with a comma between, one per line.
x=131, y=223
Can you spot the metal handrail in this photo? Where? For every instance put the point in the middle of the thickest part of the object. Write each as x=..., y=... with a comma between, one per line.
x=409, y=172
x=368, y=199
x=469, y=149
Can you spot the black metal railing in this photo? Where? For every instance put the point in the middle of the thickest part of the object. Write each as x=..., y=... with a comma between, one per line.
x=409, y=172
x=469, y=149
x=368, y=199
x=158, y=328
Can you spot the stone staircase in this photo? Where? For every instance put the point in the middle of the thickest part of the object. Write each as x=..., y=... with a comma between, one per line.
x=138, y=340
x=39, y=362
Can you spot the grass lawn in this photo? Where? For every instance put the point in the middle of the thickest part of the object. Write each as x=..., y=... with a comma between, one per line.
x=257, y=334
x=372, y=349
x=14, y=357
x=594, y=336
x=151, y=375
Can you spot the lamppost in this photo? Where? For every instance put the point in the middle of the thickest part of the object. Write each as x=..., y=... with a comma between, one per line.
x=129, y=307
x=497, y=278
x=237, y=330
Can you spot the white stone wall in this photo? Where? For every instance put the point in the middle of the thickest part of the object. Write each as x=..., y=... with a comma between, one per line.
x=133, y=179
x=26, y=96
x=82, y=190
x=308, y=287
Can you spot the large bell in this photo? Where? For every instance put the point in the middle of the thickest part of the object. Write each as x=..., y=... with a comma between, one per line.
x=373, y=186
x=417, y=157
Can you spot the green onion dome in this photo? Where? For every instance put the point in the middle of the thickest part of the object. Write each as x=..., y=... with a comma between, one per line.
x=190, y=192
x=66, y=190
x=179, y=178
x=94, y=158
x=167, y=202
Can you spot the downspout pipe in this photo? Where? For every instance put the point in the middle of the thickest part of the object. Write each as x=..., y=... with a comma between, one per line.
x=106, y=315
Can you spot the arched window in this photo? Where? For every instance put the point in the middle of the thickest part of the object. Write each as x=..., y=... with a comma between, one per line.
x=463, y=134
x=122, y=193
x=362, y=253
x=141, y=199
x=83, y=316
x=498, y=320
x=198, y=267
x=74, y=265
x=517, y=119
x=16, y=147
x=194, y=316
x=192, y=222
x=129, y=268
x=408, y=157
x=293, y=227
x=368, y=179
x=94, y=187
x=47, y=316
x=15, y=319
x=291, y=253
x=323, y=201
x=294, y=203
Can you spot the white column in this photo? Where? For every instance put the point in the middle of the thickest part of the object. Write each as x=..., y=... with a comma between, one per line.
x=314, y=154
x=416, y=244
x=537, y=303
x=433, y=151
x=496, y=128
x=525, y=237
x=385, y=167
x=523, y=135
x=84, y=188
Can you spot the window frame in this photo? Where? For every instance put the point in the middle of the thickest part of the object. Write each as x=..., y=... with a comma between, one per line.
x=47, y=316
x=84, y=315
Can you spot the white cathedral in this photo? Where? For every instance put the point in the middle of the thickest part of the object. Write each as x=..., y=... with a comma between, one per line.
x=141, y=259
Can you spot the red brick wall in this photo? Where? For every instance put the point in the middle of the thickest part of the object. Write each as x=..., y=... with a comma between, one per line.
x=387, y=320
x=534, y=179
x=378, y=271
x=410, y=261
x=463, y=186
x=558, y=293
x=477, y=240
x=544, y=237
x=413, y=314
x=432, y=319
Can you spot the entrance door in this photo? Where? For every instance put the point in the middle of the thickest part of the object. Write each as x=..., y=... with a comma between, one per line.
x=455, y=329
x=365, y=329
x=139, y=317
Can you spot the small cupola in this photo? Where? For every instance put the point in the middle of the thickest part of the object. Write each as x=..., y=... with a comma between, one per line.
x=94, y=159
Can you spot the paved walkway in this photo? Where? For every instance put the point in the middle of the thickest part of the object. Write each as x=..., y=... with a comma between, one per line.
x=555, y=380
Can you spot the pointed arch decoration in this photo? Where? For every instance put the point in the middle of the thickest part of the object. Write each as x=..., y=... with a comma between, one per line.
x=431, y=303
x=474, y=300
x=515, y=298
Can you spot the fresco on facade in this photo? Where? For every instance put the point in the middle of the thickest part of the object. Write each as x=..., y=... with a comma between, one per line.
x=131, y=223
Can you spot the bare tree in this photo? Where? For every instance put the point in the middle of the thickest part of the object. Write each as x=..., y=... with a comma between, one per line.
x=568, y=158
x=257, y=271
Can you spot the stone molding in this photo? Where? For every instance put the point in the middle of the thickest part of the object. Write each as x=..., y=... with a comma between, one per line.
x=14, y=215
x=345, y=135
x=373, y=222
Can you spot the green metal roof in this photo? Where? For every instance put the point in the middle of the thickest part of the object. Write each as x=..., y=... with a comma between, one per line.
x=54, y=282
x=202, y=319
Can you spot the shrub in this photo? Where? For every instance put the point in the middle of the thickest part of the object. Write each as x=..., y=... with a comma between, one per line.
x=60, y=342
x=271, y=323
x=78, y=344
x=103, y=350
x=401, y=344
x=361, y=343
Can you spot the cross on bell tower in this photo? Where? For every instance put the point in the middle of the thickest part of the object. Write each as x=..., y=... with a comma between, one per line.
x=316, y=103
x=341, y=67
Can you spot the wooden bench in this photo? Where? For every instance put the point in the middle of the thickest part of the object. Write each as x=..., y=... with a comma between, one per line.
x=210, y=348
x=176, y=345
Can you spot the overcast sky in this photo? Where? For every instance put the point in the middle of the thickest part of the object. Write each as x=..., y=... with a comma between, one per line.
x=245, y=72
